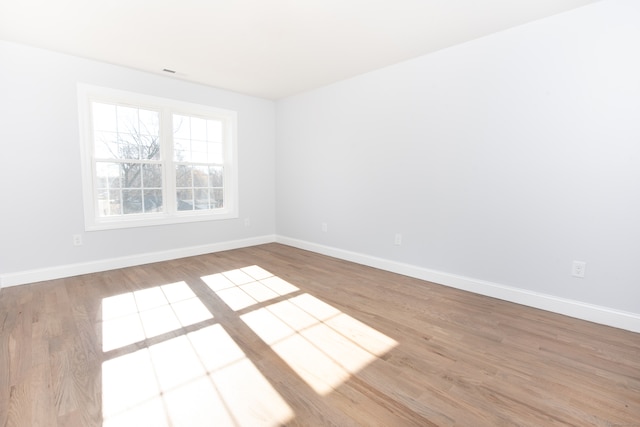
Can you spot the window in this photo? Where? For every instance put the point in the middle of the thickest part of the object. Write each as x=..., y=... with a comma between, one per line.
x=150, y=161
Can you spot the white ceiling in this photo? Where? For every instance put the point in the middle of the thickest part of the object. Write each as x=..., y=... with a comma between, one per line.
x=266, y=48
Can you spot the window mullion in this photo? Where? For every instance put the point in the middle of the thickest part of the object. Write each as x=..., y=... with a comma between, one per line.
x=169, y=175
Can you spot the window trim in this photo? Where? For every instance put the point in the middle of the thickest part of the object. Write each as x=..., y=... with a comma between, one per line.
x=165, y=106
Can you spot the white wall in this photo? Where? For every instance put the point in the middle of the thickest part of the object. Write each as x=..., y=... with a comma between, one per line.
x=501, y=160
x=40, y=180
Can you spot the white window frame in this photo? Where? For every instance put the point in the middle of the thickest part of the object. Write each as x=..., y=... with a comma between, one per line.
x=166, y=107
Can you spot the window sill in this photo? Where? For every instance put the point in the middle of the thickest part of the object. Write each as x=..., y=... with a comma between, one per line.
x=134, y=221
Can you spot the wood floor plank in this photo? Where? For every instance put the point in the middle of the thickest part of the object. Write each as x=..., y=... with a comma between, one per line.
x=19, y=408
x=394, y=351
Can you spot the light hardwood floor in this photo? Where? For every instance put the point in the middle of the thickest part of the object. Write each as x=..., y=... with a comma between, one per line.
x=272, y=335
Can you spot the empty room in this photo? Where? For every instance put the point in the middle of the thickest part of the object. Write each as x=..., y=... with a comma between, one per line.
x=309, y=213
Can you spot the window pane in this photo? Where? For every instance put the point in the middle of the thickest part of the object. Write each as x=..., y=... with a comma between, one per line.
x=108, y=175
x=132, y=201
x=181, y=128
x=129, y=146
x=199, y=151
x=149, y=122
x=183, y=176
x=118, y=133
x=103, y=202
x=199, y=157
x=217, y=198
x=215, y=176
x=197, y=140
x=201, y=176
x=115, y=202
x=150, y=146
x=104, y=117
x=130, y=173
x=128, y=120
x=181, y=145
x=109, y=203
x=105, y=145
x=152, y=200
x=183, y=156
x=185, y=200
x=198, y=129
x=182, y=150
x=215, y=153
x=214, y=130
x=202, y=199
x=152, y=176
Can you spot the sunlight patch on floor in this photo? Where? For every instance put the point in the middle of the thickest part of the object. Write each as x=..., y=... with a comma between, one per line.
x=133, y=316
x=199, y=379
x=202, y=377
x=247, y=286
x=323, y=345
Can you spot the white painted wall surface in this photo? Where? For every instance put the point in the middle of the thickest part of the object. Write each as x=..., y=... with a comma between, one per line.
x=503, y=159
x=40, y=181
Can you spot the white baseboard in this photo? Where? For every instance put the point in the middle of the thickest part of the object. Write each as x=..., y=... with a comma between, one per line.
x=590, y=312
x=51, y=273
x=580, y=310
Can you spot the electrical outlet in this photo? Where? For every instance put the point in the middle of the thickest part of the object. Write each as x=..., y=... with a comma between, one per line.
x=398, y=239
x=247, y=222
x=325, y=227
x=577, y=269
x=77, y=240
